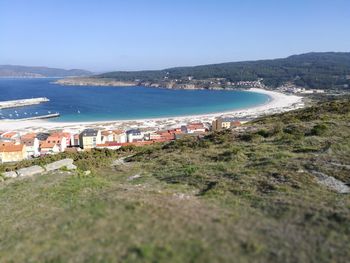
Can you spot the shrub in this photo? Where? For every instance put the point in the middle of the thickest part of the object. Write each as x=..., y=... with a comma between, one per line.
x=264, y=133
x=189, y=170
x=250, y=137
x=295, y=130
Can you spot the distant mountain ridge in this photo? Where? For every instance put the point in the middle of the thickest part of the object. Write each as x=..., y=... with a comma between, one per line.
x=310, y=70
x=37, y=72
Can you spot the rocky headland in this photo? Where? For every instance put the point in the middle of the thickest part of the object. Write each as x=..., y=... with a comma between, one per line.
x=208, y=84
x=85, y=81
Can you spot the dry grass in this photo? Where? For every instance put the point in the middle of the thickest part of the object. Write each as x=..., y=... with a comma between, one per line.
x=230, y=197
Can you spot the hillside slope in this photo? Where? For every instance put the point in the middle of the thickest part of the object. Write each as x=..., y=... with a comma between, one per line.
x=24, y=71
x=311, y=70
x=252, y=195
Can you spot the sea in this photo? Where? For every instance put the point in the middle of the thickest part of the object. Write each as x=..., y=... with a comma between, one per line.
x=95, y=103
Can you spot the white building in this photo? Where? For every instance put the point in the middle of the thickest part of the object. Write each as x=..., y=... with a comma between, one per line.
x=134, y=135
x=118, y=136
x=32, y=146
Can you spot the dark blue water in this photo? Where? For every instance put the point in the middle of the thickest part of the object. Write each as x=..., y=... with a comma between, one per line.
x=90, y=103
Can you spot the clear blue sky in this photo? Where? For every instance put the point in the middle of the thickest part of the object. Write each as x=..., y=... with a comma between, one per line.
x=102, y=35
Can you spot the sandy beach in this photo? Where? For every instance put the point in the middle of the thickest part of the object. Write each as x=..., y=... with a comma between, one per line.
x=278, y=102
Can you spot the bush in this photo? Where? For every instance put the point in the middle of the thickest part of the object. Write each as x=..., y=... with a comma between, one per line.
x=264, y=133
x=295, y=130
x=248, y=137
x=319, y=129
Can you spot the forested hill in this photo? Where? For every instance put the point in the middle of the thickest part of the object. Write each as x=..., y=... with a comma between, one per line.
x=25, y=71
x=312, y=70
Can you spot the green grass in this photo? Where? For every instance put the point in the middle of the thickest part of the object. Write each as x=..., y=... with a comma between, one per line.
x=230, y=197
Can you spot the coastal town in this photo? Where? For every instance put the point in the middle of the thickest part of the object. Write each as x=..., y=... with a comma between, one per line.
x=175, y=131
x=27, y=139
x=17, y=146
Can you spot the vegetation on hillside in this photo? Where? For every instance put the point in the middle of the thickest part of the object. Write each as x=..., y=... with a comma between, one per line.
x=25, y=71
x=247, y=196
x=312, y=70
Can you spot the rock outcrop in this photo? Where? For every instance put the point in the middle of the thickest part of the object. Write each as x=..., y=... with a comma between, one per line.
x=30, y=171
x=9, y=174
x=67, y=163
x=37, y=170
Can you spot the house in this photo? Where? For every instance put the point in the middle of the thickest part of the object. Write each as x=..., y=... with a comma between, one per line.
x=64, y=136
x=152, y=136
x=75, y=141
x=159, y=136
x=10, y=135
x=114, y=136
x=59, y=140
x=32, y=146
x=193, y=128
x=134, y=135
x=107, y=136
x=163, y=136
x=109, y=145
x=10, y=152
x=120, y=136
x=175, y=131
x=90, y=138
x=52, y=144
x=224, y=123
x=166, y=135
x=49, y=147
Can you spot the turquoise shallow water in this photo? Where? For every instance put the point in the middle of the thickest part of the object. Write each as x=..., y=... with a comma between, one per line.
x=91, y=103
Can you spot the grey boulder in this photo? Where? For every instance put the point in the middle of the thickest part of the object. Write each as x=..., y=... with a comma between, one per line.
x=60, y=164
x=30, y=171
x=10, y=174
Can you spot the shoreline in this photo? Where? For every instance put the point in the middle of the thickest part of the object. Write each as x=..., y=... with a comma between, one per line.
x=278, y=102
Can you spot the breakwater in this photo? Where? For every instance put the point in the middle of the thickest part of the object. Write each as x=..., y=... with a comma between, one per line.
x=47, y=116
x=22, y=103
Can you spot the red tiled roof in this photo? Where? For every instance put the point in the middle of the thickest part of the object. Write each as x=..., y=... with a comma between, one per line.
x=6, y=143
x=28, y=136
x=194, y=126
x=54, y=139
x=27, y=142
x=236, y=123
x=118, y=132
x=47, y=144
x=162, y=133
x=106, y=133
x=10, y=147
x=115, y=132
x=60, y=134
x=9, y=135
